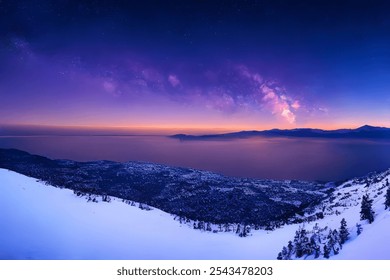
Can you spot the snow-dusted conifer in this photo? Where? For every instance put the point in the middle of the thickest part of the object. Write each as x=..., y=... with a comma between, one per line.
x=343, y=231
x=238, y=229
x=366, y=212
x=298, y=244
x=333, y=241
x=317, y=251
x=326, y=252
x=359, y=229
x=302, y=243
x=290, y=250
x=387, y=199
x=283, y=255
x=315, y=242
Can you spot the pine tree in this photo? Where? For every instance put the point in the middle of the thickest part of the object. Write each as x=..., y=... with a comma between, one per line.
x=283, y=255
x=302, y=243
x=307, y=248
x=238, y=229
x=290, y=249
x=366, y=212
x=326, y=252
x=298, y=244
x=246, y=229
x=106, y=198
x=333, y=241
x=315, y=242
x=387, y=197
x=286, y=252
x=317, y=251
x=316, y=228
x=343, y=231
x=359, y=229
x=337, y=243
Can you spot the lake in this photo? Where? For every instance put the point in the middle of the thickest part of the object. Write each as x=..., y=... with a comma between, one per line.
x=272, y=158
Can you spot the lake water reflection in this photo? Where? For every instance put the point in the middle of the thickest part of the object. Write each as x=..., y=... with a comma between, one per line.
x=274, y=158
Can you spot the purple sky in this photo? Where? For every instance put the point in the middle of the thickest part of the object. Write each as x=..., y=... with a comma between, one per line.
x=195, y=65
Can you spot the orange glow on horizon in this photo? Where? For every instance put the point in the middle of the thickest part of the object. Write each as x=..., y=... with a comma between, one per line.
x=165, y=129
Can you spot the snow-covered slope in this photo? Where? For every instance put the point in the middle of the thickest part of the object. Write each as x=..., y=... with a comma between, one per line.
x=42, y=222
x=345, y=202
x=374, y=241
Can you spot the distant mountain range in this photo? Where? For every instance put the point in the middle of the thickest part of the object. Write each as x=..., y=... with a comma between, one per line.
x=365, y=131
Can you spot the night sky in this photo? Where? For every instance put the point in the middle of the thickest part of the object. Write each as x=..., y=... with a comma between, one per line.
x=219, y=65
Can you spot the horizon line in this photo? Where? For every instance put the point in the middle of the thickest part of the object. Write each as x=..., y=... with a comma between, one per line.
x=93, y=130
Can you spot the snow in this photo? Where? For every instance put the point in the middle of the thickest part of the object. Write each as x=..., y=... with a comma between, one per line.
x=372, y=244
x=43, y=222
